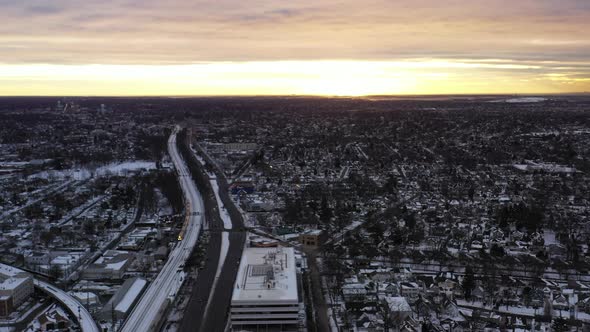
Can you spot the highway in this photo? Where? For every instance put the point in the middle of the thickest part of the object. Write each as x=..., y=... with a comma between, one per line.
x=85, y=320
x=148, y=312
x=209, y=304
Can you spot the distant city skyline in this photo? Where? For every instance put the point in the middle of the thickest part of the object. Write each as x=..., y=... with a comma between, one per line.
x=130, y=47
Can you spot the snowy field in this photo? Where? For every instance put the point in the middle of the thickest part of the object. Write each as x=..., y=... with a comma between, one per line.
x=526, y=100
x=120, y=168
x=520, y=100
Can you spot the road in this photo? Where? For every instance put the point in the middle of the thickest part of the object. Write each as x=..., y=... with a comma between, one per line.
x=209, y=304
x=80, y=209
x=148, y=312
x=322, y=322
x=123, y=230
x=216, y=312
x=87, y=324
x=85, y=320
x=58, y=189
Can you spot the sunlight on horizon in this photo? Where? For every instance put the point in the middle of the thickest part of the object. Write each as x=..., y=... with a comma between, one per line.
x=327, y=77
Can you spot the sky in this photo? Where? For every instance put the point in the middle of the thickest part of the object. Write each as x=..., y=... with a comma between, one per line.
x=308, y=47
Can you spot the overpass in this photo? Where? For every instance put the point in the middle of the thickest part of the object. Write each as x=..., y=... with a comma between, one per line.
x=76, y=308
x=85, y=320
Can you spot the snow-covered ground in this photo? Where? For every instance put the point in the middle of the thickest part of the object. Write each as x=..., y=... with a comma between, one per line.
x=520, y=100
x=203, y=163
x=49, y=314
x=549, y=237
x=58, y=189
x=119, y=168
x=222, y=210
x=79, y=209
x=524, y=311
x=547, y=167
x=222, y=256
x=199, y=158
x=339, y=236
x=163, y=205
x=526, y=100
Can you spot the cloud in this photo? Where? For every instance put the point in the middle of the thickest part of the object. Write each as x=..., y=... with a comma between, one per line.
x=42, y=9
x=177, y=31
x=299, y=46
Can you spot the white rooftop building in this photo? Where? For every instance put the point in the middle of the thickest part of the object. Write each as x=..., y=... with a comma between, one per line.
x=265, y=294
x=111, y=265
x=15, y=287
x=120, y=305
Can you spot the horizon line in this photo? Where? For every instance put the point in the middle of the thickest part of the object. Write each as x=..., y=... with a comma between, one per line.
x=307, y=95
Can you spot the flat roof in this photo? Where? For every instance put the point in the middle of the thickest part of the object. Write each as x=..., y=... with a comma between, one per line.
x=131, y=295
x=266, y=275
x=312, y=232
x=8, y=271
x=11, y=278
x=12, y=283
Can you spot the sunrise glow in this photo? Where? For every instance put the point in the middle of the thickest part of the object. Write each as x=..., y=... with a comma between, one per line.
x=304, y=47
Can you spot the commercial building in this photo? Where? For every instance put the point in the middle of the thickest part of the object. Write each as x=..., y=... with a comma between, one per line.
x=67, y=260
x=15, y=288
x=265, y=295
x=122, y=302
x=111, y=265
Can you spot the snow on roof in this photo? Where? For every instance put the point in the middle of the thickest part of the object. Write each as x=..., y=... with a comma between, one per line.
x=112, y=260
x=84, y=297
x=8, y=271
x=133, y=292
x=398, y=303
x=266, y=275
x=316, y=232
x=11, y=278
x=69, y=259
x=117, y=265
x=12, y=283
